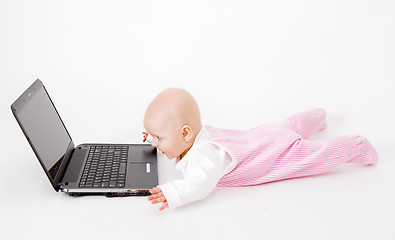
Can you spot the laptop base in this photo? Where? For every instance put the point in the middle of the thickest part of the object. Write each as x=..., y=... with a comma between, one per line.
x=137, y=193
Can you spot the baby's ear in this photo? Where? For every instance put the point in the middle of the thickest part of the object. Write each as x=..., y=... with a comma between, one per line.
x=187, y=133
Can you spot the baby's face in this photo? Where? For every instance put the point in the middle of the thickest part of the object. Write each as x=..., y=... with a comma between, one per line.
x=168, y=141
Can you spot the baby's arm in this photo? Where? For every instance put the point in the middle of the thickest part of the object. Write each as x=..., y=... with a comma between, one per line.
x=204, y=169
x=158, y=197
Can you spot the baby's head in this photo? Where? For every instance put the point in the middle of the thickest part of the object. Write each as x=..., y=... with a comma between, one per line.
x=173, y=120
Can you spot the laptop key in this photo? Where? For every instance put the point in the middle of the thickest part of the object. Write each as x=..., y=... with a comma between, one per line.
x=113, y=184
x=122, y=168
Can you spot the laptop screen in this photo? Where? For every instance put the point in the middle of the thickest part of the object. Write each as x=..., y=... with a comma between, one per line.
x=43, y=128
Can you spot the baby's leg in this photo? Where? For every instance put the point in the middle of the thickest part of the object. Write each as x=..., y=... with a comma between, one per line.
x=306, y=123
x=306, y=158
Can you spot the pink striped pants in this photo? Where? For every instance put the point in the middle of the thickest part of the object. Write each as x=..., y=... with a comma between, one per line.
x=286, y=152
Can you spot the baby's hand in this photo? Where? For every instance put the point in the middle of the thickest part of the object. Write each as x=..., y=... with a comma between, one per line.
x=158, y=197
x=145, y=134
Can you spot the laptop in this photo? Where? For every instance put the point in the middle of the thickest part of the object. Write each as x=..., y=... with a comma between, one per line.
x=110, y=170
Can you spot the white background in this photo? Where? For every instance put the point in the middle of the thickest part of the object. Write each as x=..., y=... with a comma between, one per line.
x=246, y=63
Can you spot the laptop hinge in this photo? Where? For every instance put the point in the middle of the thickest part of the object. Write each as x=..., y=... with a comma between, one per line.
x=62, y=169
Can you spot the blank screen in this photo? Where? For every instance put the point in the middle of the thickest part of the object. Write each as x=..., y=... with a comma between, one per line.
x=44, y=128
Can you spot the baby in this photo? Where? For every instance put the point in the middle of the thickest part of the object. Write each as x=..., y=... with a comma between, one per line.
x=208, y=157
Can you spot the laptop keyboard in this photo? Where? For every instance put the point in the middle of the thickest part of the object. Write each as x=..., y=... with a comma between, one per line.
x=105, y=167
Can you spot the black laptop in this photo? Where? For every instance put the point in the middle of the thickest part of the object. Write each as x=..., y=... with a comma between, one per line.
x=89, y=169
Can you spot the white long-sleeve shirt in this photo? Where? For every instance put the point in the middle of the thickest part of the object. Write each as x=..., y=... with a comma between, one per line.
x=202, y=167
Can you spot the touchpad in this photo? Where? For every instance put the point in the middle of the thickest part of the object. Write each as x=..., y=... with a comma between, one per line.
x=140, y=167
x=141, y=175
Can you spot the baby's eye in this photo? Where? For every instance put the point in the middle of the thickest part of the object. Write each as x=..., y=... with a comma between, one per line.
x=158, y=138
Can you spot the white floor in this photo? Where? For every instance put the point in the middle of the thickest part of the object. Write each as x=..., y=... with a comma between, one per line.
x=247, y=63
